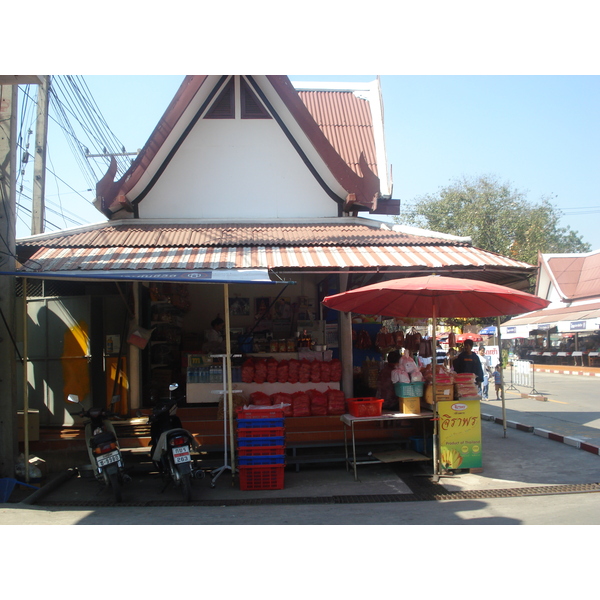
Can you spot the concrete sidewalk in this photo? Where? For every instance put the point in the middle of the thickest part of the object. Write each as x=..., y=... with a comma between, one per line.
x=538, y=449
x=521, y=463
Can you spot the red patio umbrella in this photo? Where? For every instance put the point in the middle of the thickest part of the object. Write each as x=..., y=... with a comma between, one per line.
x=474, y=337
x=435, y=296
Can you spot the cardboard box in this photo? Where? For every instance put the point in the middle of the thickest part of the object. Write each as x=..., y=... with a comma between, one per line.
x=443, y=392
x=33, y=421
x=410, y=406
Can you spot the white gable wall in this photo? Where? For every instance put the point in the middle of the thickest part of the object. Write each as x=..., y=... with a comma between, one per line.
x=242, y=168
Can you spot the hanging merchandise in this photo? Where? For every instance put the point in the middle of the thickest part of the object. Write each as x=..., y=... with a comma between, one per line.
x=363, y=340
x=412, y=340
x=399, y=335
x=425, y=349
x=385, y=339
x=452, y=340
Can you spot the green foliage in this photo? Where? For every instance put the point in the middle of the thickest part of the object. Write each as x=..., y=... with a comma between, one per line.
x=496, y=216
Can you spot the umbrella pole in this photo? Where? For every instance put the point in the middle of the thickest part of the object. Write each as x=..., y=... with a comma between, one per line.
x=501, y=371
x=436, y=474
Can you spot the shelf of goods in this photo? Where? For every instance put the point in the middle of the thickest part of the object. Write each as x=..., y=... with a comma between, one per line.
x=268, y=375
x=261, y=449
x=165, y=343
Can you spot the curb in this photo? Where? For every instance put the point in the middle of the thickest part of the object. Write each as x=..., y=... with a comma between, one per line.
x=512, y=424
x=573, y=371
x=570, y=441
x=567, y=440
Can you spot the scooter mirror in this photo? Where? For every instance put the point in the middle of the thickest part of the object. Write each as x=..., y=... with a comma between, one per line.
x=173, y=387
x=73, y=398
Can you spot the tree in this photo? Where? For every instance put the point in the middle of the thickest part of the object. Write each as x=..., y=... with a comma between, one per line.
x=497, y=217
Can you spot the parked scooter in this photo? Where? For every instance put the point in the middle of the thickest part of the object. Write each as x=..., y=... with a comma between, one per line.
x=172, y=445
x=103, y=447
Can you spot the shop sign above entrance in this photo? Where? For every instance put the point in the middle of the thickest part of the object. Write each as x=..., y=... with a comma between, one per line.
x=178, y=275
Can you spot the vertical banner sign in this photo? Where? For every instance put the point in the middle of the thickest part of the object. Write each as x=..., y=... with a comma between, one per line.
x=460, y=434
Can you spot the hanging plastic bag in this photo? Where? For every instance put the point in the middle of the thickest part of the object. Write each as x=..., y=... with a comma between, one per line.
x=138, y=336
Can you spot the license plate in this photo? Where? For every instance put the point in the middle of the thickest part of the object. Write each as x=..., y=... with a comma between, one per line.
x=181, y=454
x=108, y=459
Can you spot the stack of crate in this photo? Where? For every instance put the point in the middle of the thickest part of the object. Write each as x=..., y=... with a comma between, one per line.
x=261, y=448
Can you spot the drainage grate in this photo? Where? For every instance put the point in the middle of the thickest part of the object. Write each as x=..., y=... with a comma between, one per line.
x=352, y=499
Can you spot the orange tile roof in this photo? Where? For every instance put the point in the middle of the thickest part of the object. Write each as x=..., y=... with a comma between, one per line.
x=346, y=121
x=135, y=234
x=576, y=275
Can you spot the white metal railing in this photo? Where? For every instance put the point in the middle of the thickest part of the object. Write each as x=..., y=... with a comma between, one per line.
x=522, y=374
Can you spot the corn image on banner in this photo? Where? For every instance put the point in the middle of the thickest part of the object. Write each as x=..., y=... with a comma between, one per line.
x=460, y=434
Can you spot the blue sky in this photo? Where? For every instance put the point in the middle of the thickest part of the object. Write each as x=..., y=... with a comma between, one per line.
x=540, y=133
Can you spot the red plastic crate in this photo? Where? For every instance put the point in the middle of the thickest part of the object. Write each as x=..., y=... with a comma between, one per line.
x=260, y=450
x=364, y=407
x=261, y=432
x=261, y=477
x=260, y=413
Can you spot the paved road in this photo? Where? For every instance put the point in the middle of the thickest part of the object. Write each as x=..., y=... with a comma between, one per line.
x=572, y=407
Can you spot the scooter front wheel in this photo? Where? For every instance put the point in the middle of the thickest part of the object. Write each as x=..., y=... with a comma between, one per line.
x=115, y=484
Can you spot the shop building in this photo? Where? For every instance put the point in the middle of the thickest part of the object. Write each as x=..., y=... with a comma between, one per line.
x=568, y=330
x=252, y=195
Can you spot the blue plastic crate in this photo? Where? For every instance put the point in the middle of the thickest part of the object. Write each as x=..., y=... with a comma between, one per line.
x=261, y=441
x=409, y=390
x=261, y=460
x=259, y=423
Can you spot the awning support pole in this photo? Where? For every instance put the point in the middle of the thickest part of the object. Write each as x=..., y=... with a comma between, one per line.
x=229, y=398
x=25, y=385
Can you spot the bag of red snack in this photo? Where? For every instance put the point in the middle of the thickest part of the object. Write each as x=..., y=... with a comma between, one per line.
x=304, y=371
x=318, y=403
x=248, y=371
x=326, y=372
x=335, y=371
x=260, y=370
x=336, y=402
x=315, y=371
x=283, y=371
x=300, y=404
x=293, y=370
x=260, y=399
x=286, y=400
x=271, y=370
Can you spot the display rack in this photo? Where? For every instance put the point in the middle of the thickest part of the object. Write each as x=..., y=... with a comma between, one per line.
x=224, y=393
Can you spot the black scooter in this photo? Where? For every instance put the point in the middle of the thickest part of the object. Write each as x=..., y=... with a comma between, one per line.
x=103, y=447
x=172, y=446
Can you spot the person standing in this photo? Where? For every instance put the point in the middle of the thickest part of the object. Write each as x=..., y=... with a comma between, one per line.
x=468, y=362
x=385, y=387
x=498, y=380
x=486, y=367
x=213, y=338
x=440, y=354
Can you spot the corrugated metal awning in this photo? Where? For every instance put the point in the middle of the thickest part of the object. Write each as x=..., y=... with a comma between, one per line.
x=332, y=258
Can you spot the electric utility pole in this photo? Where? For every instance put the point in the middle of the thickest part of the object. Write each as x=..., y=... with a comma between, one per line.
x=39, y=168
x=8, y=195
